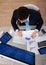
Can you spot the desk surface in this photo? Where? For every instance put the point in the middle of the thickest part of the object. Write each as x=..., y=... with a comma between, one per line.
x=39, y=58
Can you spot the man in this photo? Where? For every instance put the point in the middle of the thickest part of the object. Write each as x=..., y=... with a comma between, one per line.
x=23, y=14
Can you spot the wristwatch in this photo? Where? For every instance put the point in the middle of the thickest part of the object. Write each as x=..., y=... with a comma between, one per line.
x=17, y=30
x=36, y=30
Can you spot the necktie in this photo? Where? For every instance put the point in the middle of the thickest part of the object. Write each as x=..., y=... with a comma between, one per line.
x=27, y=25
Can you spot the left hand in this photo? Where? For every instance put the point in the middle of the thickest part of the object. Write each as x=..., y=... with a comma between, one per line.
x=34, y=34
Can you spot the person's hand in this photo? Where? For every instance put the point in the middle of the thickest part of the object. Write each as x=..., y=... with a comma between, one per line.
x=19, y=33
x=34, y=34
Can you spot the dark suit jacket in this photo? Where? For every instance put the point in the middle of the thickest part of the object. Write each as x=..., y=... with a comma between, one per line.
x=34, y=19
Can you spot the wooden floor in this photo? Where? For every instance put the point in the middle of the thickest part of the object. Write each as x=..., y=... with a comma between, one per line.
x=7, y=7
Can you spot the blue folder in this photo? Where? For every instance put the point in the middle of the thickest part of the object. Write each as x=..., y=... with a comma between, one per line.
x=17, y=54
x=42, y=50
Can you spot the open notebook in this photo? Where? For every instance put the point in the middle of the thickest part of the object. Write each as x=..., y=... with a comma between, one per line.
x=22, y=40
x=26, y=34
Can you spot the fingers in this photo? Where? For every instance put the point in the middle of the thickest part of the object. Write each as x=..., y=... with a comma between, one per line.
x=33, y=35
x=19, y=33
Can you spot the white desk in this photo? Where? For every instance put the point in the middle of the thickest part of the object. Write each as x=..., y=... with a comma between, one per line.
x=39, y=59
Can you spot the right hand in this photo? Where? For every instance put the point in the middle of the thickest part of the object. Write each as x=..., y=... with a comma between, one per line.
x=19, y=33
x=34, y=34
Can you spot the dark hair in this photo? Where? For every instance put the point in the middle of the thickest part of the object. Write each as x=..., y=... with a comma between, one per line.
x=23, y=13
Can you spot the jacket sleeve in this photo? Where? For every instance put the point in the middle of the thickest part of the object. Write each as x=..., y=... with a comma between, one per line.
x=14, y=19
x=39, y=21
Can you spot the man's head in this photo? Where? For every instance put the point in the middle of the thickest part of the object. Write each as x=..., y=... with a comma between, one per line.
x=23, y=13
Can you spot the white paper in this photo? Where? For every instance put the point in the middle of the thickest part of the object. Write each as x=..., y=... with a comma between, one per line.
x=22, y=40
x=35, y=50
x=32, y=46
x=27, y=33
x=19, y=40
